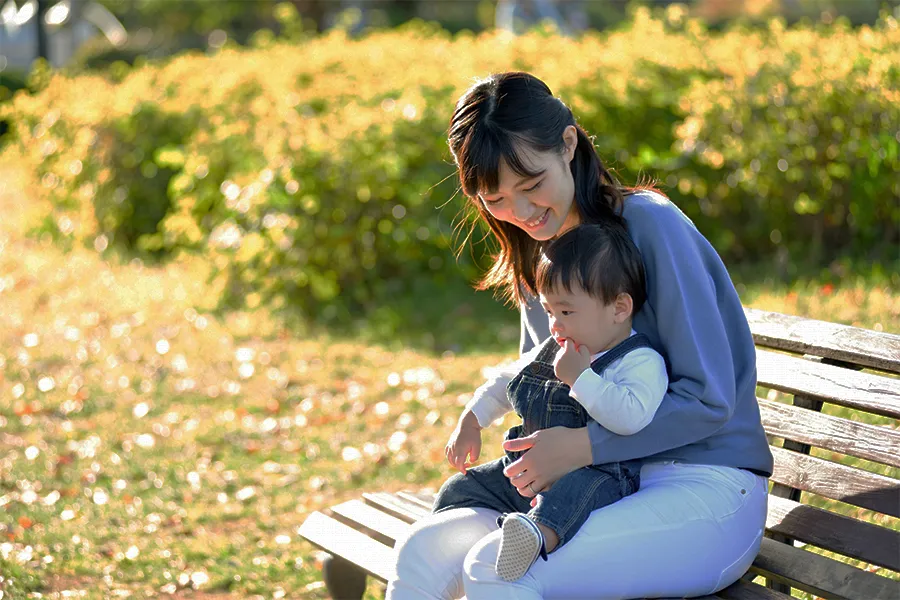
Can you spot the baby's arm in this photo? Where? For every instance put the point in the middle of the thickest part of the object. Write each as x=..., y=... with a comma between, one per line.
x=489, y=402
x=464, y=446
x=626, y=397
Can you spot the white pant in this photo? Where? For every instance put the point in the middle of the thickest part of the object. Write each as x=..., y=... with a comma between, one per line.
x=690, y=530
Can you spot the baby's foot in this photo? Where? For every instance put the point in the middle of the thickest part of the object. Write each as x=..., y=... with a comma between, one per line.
x=521, y=543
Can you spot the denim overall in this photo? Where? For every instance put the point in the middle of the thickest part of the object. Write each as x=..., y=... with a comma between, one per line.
x=543, y=401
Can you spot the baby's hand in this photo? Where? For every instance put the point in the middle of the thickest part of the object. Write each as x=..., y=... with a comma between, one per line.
x=465, y=442
x=571, y=362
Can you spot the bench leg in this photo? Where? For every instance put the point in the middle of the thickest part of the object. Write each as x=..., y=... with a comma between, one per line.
x=344, y=580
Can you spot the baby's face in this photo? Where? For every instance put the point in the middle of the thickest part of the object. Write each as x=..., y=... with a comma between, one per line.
x=585, y=320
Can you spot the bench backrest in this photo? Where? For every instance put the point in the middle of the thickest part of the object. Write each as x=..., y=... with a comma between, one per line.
x=830, y=403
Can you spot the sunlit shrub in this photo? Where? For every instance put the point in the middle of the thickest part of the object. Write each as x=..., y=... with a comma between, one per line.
x=797, y=144
x=315, y=176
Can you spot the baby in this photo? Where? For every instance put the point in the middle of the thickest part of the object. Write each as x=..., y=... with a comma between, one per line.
x=593, y=367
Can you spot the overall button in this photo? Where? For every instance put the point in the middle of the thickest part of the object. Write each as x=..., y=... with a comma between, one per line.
x=535, y=368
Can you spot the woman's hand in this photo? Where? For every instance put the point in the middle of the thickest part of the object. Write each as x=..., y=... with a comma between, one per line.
x=465, y=441
x=550, y=454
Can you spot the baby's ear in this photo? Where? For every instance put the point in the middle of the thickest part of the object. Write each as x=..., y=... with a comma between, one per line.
x=624, y=307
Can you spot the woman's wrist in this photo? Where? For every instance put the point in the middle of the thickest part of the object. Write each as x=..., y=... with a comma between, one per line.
x=581, y=450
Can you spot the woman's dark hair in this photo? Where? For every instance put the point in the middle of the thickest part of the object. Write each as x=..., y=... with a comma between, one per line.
x=495, y=118
x=599, y=258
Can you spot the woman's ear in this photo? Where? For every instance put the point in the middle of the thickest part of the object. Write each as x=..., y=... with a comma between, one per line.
x=570, y=138
x=624, y=307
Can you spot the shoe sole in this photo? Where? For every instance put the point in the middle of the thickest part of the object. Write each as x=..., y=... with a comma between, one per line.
x=520, y=546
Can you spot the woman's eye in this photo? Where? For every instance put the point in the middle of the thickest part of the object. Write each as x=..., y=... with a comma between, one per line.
x=492, y=202
x=535, y=186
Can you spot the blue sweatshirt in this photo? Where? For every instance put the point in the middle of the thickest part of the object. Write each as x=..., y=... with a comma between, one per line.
x=694, y=318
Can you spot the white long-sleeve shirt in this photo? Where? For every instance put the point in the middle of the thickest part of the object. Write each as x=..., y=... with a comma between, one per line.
x=623, y=399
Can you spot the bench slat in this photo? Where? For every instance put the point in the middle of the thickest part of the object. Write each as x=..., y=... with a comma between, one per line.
x=864, y=391
x=820, y=575
x=396, y=507
x=837, y=533
x=426, y=497
x=872, y=442
x=830, y=340
x=337, y=539
x=420, y=500
x=838, y=482
x=744, y=590
x=357, y=514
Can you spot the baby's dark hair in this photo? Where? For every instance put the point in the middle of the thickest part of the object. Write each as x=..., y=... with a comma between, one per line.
x=600, y=259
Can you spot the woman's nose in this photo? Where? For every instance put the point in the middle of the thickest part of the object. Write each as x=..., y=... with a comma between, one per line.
x=521, y=208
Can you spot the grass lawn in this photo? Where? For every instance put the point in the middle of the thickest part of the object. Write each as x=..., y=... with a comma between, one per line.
x=151, y=448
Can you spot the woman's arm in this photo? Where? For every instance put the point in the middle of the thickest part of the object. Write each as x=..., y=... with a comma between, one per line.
x=689, y=297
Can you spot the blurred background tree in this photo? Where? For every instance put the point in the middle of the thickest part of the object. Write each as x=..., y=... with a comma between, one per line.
x=157, y=28
x=314, y=186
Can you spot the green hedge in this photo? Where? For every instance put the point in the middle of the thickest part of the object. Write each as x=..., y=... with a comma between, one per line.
x=316, y=176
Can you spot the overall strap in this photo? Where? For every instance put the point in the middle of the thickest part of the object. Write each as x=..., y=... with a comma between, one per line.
x=548, y=351
x=619, y=350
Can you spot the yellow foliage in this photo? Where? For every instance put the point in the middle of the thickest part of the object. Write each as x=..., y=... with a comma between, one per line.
x=325, y=136
x=348, y=79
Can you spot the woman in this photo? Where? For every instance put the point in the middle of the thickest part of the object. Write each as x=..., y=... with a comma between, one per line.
x=696, y=523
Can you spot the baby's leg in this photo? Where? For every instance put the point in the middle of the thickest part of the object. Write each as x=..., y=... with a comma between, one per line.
x=483, y=486
x=561, y=510
x=551, y=540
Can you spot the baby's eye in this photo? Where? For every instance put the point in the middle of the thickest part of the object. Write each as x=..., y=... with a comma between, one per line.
x=566, y=313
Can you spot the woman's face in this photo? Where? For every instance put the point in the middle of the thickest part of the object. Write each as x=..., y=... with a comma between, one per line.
x=543, y=206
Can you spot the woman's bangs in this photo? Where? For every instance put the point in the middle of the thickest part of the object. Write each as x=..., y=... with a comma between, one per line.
x=514, y=158
x=483, y=168
x=483, y=162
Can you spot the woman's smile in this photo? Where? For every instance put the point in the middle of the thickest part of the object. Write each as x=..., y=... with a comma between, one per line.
x=537, y=222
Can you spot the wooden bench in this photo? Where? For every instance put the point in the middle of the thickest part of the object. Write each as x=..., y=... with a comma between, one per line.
x=855, y=460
